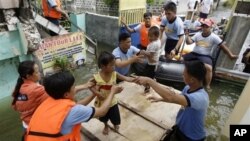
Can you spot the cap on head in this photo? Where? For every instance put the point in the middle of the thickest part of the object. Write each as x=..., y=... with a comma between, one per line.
x=207, y=22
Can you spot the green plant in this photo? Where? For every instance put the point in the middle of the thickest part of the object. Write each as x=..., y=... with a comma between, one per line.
x=61, y=63
x=150, y=1
x=110, y=2
x=228, y=3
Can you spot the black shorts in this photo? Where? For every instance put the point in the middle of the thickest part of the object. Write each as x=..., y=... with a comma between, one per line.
x=176, y=135
x=150, y=71
x=206, y=59
x=203, y=15
x=113, y=115
x=170, y=45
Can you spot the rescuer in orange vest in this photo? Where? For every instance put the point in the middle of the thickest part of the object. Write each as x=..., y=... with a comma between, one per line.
x=142, y=28
x=52, y=11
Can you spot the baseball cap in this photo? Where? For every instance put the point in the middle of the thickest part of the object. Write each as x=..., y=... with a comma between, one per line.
x=207, y=22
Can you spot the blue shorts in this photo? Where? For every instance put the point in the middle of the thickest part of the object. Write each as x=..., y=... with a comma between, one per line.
x=206, y=59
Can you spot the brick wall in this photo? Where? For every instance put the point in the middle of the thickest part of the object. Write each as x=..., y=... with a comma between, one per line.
x=95, y=6
x=155, y=8
x=101, y=7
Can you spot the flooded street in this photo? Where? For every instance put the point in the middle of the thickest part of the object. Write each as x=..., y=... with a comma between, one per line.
x=223, y=97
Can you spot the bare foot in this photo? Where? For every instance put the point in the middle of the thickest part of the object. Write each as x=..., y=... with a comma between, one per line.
x=105, y=130
x=209, y=89
x=116, y=127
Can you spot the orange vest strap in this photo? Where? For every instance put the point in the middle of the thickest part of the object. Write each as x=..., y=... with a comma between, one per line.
x=45, y=134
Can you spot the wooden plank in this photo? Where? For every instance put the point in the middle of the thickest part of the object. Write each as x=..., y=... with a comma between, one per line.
x=161, y=113
x=132, y=128
x=140, y=119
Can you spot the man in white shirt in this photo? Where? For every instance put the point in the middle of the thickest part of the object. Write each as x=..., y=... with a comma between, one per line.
x=205, y=7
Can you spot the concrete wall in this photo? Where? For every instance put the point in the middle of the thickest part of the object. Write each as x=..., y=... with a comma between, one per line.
x=235, y=38
x=103, y=28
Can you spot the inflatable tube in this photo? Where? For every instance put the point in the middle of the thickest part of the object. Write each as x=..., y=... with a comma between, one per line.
x=166, y=71
x=170, y=71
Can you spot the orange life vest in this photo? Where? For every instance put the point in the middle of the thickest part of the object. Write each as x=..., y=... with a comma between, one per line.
x=46, y=122
x=49, y=11
x=144, y=34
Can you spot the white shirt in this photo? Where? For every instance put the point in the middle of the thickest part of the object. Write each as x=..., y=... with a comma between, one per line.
x=205, y=45
x=155, y=47
x=191, y=4
x=205, y=6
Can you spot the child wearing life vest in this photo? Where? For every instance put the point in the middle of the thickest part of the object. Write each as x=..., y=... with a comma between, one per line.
x=152, y=53
x=104, y=80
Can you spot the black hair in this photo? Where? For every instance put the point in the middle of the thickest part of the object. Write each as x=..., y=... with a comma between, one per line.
x=105, y=58
x=171, y=6
x=154, y=30
x=124, y=36
x=147, y=14
x=196, y=69
x=56, y=85
x=25, y=68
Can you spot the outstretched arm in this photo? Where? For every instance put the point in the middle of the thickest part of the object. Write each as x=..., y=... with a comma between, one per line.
x=167, y=94
x=123, y=63
x=228, y=52
x=84, y=86
x=125, y=78
x=130, y=30
x=86, y=100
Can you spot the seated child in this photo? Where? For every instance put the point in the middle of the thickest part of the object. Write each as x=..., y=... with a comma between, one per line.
x=104, y=80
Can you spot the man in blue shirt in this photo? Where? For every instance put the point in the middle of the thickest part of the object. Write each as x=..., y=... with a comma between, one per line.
x=125, y=54
x=190, y=121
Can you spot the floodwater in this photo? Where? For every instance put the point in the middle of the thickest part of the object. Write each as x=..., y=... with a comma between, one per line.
x=223, y=97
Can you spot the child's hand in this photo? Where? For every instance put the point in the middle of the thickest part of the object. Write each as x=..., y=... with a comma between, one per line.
x=154, y=98
x=116, y=89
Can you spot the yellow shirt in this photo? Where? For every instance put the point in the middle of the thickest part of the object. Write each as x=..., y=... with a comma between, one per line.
x=104, y=88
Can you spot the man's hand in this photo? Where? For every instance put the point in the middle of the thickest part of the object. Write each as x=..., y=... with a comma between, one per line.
x=138, y=58
x=233, y=56
x=123, y=21
x=172, y=53
x=141, y=80
x=89, y=84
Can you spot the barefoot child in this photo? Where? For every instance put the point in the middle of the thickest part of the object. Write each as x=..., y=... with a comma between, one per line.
x=152, y=53
x=104, y=80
